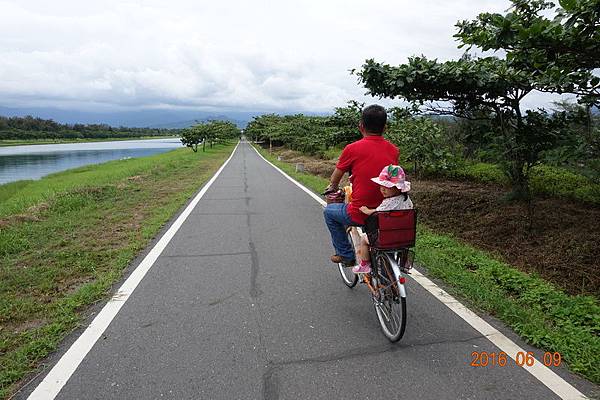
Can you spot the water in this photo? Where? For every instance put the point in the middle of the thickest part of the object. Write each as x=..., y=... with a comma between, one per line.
x=36, y=161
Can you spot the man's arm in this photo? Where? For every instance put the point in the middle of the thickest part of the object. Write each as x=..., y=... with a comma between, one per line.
x=343, y=164
x=335, y=179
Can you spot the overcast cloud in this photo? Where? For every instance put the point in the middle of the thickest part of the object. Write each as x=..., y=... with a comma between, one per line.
x=217, y=55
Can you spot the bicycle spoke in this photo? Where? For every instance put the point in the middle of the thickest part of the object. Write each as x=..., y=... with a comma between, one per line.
x=390, y=311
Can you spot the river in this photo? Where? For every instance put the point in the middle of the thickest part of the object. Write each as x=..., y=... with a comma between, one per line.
x=36, y=161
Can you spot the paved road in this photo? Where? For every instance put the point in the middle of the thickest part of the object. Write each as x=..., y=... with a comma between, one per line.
x=243, y=304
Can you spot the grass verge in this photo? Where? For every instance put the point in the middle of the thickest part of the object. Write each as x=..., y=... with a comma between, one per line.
x=541, y=314
x=65, y=239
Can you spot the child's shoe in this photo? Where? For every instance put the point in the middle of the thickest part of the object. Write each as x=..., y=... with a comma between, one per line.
x=363, y=268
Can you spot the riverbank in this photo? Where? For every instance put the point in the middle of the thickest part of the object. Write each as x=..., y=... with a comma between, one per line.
x=540, y=312
x=67, y=238
x=16, y=142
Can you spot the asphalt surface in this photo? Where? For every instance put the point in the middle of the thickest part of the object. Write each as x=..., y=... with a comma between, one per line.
x=244, y=304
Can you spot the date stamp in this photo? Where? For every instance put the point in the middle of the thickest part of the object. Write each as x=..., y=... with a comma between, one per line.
x=501, y=359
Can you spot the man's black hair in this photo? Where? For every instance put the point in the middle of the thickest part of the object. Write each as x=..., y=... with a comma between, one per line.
x=374, y=118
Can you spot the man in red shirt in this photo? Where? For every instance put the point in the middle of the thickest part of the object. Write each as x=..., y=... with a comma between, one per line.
x=363, y=160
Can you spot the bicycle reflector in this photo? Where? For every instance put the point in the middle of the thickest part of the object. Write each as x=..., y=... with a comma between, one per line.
x=402, y=280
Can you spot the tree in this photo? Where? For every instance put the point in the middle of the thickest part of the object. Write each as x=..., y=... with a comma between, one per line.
x=492, y=88
x=559, y=54
x=223, y=131
x=257, y=128
x=191, y=137
x=421, y=141
x=211, y=132
x=345, y=121
x=308, y=134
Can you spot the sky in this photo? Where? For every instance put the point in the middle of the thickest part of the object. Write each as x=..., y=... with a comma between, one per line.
x=225, y=55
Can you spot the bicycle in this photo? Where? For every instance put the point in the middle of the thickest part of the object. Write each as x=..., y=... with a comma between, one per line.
x=391, y=235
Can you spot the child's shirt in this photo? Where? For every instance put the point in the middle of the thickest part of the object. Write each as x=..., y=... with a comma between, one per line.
x=395, y=203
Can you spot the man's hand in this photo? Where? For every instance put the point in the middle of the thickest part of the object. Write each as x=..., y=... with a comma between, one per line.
x=330, y=189
x=336, y=196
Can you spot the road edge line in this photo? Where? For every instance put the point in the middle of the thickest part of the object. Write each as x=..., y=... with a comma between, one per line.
x=295, y=182
x=62, y=371
x=545, y=375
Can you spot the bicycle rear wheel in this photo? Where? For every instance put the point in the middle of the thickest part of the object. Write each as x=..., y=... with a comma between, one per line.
x=349, y=278
x=389, y=305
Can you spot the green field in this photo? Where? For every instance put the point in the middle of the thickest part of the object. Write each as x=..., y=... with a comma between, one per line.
x=540, y=313
x=67, y=238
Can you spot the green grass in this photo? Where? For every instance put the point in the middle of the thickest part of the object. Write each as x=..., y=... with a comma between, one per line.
x=20, y=142
x=65, y=239
x=541, y=314
x=333, y=153
x=536, y=310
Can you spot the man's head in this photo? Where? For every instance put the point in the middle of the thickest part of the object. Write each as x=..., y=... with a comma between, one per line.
x=372, y=120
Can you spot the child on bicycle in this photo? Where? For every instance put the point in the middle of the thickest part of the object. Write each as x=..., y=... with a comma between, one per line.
x=394, y=188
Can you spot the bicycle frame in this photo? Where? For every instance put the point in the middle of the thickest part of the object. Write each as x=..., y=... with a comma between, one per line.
x=392, y=256
x=399, y=277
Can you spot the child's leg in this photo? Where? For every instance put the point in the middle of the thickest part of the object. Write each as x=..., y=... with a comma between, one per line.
x=363, y=253
x=363, y=250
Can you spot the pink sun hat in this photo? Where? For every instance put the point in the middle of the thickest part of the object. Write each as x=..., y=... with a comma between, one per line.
x=393, y=175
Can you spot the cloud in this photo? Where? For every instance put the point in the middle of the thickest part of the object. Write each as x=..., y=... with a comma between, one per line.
x=233, y=55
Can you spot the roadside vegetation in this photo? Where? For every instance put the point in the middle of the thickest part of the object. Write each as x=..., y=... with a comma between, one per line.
x=67, y=238
x=540, y=312
x=431, y=147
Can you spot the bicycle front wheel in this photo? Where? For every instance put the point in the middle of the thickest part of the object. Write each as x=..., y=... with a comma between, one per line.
x=389, y=305
x=349, y=278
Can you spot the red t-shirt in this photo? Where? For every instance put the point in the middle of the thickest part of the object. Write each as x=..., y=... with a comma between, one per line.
x=365, y=159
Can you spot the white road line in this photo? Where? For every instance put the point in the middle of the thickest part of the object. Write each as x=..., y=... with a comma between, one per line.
x=545, y=375
x=307, y=190
x=62, y=371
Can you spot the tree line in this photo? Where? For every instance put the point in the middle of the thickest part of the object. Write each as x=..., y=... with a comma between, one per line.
x=30, y=128
x=209, y=132
x=473, y=107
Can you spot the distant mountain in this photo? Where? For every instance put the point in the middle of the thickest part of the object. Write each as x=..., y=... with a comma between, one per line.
x=241, y=123
x=141, y=118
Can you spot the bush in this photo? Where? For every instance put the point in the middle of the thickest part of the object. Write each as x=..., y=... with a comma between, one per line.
x=545, y=179
x=561, y=182
x=480, y=172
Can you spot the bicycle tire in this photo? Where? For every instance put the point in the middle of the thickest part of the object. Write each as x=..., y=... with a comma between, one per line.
x=389, y=306
x=349, y=278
